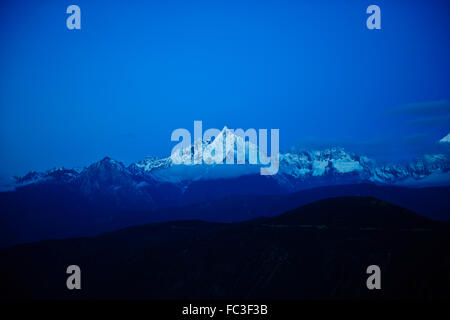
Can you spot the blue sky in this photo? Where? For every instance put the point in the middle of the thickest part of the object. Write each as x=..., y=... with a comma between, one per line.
x=135, y=72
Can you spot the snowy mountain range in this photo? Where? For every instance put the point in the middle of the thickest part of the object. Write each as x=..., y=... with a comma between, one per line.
x=298, y=170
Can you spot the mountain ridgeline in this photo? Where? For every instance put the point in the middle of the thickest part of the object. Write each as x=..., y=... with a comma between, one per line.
x=297, y=171
x=158, y=182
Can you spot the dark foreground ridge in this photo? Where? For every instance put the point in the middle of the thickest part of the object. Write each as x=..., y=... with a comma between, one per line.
x=46, y=211
x=318, y=251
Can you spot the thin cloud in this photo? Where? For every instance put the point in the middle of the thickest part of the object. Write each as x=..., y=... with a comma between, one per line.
x=431, y=121
x=430, y=108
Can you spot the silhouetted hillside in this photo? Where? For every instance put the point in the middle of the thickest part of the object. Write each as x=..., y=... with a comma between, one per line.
x=353, y=212
x=319, y=251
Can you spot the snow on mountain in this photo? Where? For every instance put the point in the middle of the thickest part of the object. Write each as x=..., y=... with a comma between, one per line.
x=445, y=139
x=60, y=174
x=414, y=172
x=227, y=146
x=320, y=162
x=150, y=164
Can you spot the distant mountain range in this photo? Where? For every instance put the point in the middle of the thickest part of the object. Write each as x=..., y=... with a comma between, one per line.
x=155, y=183
x=317, y=251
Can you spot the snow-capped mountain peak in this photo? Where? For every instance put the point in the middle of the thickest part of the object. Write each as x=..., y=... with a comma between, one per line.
x=227, y=146
x=445, y=139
